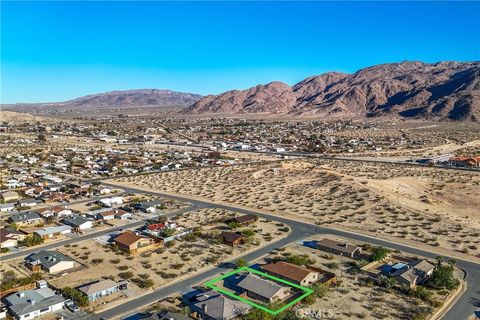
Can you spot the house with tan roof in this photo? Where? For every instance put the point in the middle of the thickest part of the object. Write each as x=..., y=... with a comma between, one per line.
x=132, y=243
x=263, y=290
x=8, y=196
x=293, y=273
x=102, y=288
x=211, y=305
x=341, y=248
x=414, y=272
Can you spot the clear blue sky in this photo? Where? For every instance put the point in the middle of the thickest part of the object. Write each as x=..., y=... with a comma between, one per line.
x=53, y=51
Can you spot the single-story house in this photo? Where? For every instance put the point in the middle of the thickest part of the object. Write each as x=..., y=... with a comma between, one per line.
x=293, y=273
x=78, y=222
x=213, y=305
x=108, y=202
x=102, y=288
x=9, y=196
x=7, y=207
x=341, y=248
x=122, y=214
x=27, y=203
x=106, y=215
x=102, y=190
x=263, y=290
x=31, y=304
x=49, y=261
x=23, y=219
x=244, y=220
x=414, y=272
x=232, y=239
x=53, y=232
x=130, y=242
x=44, y=212
x=148, y=206
x=9, y=237
x=61, y=211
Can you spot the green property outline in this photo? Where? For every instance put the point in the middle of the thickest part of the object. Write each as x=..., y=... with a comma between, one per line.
x=210, y=284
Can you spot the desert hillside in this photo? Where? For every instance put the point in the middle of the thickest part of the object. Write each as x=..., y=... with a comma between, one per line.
x=444, y=90
x=112, y=99
x=10, y=116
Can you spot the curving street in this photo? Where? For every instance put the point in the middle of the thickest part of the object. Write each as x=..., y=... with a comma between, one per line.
x=463, y=308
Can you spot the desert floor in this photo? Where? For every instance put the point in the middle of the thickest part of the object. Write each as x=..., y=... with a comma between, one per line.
x=427, y=207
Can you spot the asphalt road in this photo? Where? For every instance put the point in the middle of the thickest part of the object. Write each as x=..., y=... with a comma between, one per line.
x=322, y=156
x=465, y=306
x=84, y=200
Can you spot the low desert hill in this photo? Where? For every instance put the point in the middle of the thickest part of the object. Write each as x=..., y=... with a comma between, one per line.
x=112, y=99
x=10, y=116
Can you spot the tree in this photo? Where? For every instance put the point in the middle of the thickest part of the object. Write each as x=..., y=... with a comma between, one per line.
x=443, y=278
x=77, y=296
x=439, y=260
x=379, y=253
x=452, y=262
x=241, y=263
x=41, y=137
x=300, y=260
x=234, y=225
x=256, y=314
x=248, y=233
x=386, y=282
x=32, y=240
x=168, y=232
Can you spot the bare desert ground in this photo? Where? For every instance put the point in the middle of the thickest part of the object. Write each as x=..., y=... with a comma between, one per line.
x=427, y=206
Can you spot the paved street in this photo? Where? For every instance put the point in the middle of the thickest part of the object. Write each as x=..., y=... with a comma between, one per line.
x=465, y=306
x=53, y=245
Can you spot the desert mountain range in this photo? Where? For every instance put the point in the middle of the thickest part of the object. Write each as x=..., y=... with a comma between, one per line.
x=113, y=99
x=444, y=90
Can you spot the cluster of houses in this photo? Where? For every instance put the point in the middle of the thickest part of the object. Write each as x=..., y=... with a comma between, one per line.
x=42, y=300
x=56, y=221
x=204, y=304
x=449, y=159
x=94, y=162
x=310, y=136
x=28, y=189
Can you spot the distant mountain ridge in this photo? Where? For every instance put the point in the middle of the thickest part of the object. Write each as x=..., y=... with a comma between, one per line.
x=116, y=99
x=443, y=90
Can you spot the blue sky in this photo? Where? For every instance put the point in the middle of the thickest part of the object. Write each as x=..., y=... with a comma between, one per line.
x=53, y=51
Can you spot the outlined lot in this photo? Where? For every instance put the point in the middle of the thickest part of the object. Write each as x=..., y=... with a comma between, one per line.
x=211, y=284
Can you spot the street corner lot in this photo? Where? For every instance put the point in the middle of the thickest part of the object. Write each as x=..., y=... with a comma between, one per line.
x=300, y=292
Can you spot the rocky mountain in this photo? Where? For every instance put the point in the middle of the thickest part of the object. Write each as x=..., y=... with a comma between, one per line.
x=114, y=99
x=444, y=90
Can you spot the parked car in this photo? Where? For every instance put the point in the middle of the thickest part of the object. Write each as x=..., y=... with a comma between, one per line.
x=72, y=306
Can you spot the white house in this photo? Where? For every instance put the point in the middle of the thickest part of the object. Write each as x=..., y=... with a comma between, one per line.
x=78, y=222
x=29, y=304
x=7, y=207
x=108, y=202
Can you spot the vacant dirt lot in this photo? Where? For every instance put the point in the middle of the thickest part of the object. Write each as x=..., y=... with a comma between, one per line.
x=435, y=207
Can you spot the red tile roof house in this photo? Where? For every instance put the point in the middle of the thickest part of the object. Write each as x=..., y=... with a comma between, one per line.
x=130, y=242
x=465, y=161
x=293, y=273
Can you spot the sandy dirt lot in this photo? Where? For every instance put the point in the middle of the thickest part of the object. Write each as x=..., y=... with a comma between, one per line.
x=433, y=207
x=353, y=297
x=167, y=264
